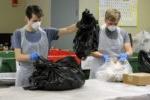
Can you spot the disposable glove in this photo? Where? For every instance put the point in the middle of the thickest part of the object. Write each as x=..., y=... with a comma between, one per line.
x=34, y=56
x=106, y=58
x=123, y=57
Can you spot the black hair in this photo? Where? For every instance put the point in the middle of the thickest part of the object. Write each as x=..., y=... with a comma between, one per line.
x=34, y=9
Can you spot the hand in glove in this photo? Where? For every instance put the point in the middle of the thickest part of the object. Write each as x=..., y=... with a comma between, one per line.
x=34, y=56
x=123, y=57
x=106, y=58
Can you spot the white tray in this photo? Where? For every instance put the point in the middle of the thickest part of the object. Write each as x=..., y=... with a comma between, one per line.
x=7, y=78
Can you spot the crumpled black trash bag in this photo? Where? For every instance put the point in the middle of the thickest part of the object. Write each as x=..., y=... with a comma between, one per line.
x=86, y=39
x=65, y=74
x=144, y=61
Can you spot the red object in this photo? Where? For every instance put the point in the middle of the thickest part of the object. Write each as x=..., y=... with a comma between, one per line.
x=14, y=3
x=57, y=54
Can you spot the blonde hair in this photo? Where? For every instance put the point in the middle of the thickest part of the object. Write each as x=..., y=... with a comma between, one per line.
x=112, y=15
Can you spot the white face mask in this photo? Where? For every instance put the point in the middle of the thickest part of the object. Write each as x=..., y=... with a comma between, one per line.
x=112, y=28
x=36, y=25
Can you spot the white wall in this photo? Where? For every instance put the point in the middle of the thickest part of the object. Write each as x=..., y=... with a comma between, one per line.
x=13, y=17
x=92, y=5
x=10, y=17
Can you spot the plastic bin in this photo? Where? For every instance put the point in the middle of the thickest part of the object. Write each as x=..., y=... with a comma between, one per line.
x=7, y=61
x=57, y=54
x=134, y=62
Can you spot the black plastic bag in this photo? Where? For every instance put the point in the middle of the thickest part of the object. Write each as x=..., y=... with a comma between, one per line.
x=86, y=39
x=65, y=74
x=144, y=61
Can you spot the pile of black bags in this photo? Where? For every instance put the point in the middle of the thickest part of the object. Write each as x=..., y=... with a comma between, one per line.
x=144, y=61
x=65, y=74
x=86, y=39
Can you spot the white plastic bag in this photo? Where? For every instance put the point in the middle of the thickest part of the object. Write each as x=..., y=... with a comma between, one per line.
x=86, y=64
x=142, y=41
x=113, y=71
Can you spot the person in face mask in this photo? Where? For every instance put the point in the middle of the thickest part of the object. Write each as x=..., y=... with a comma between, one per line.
x=113, y=42
x=32, y=41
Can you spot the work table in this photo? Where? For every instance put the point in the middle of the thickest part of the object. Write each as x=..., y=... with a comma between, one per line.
x=92, y=90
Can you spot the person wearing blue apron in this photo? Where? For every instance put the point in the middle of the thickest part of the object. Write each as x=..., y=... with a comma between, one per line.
x=32, y=41
x=113, y=42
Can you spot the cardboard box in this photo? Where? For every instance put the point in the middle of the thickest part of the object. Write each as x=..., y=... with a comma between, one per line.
x=137, y=79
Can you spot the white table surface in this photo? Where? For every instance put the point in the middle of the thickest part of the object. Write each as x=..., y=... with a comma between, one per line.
x=92, y=90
